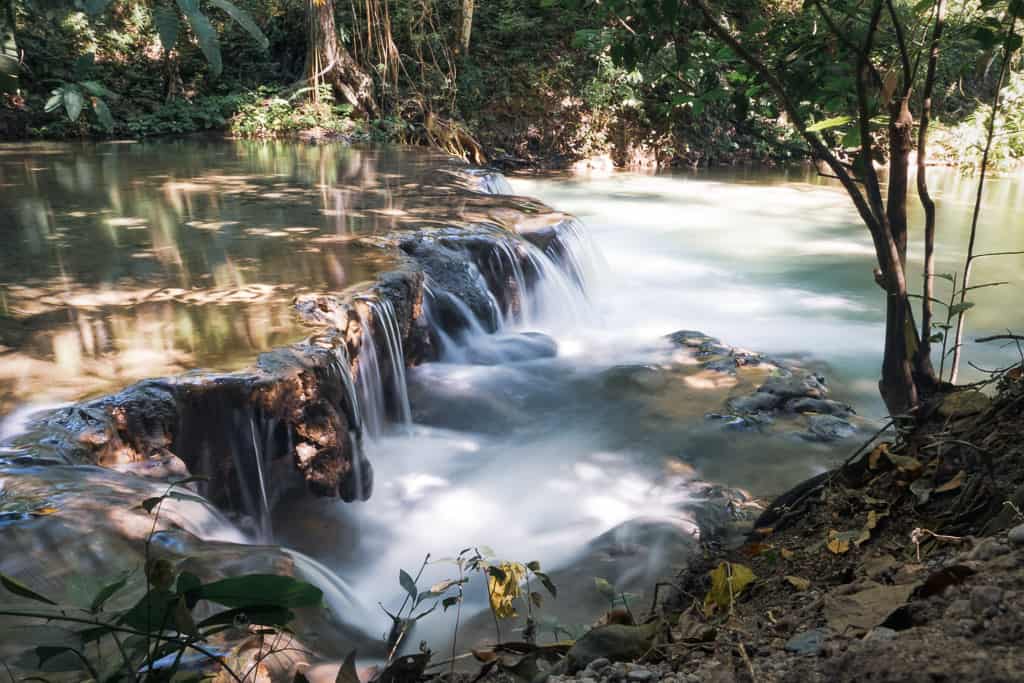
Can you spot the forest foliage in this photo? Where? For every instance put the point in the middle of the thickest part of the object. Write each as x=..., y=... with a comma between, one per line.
x=557, y=80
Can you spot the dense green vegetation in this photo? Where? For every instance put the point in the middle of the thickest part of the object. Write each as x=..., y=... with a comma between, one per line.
x=557, y=80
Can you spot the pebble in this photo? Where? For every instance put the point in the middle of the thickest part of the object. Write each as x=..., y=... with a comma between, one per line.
x=880, y=633
x=988, y=549
x=808, y=642
x=1017, y=535
x=985, y=597
x=640, y=675
x=598, y=664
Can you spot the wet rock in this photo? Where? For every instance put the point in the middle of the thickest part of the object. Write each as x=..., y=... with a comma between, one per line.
x=756, y=402
x=818, y=405
x=794, y=385
x=880, y=633
x=615, y=642
x=828, y=428
x=988, y=549
x=1016, y=535
x=963, y=403
x=690, y=338
x=740, y=423
x=644, y=377
x=807, y=643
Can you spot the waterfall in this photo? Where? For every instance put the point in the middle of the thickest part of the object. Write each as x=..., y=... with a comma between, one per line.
x=373, y=390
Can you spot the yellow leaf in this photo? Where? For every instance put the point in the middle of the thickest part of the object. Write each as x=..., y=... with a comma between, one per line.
x=799, y=583
x=728, y=580
x=839, y=541
x=787, y=554
x=873, y=518
x=503, y=589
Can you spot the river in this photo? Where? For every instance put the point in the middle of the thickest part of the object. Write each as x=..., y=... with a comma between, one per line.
x=149, y=259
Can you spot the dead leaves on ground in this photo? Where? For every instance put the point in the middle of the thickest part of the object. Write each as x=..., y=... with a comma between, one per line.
x=728, y=581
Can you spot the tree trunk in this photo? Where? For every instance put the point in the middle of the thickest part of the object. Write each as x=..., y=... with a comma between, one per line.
x=328, y=62
x=467, y=25
x=10, y=63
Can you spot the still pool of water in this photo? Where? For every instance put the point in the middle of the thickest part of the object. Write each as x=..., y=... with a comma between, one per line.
x=187, y=254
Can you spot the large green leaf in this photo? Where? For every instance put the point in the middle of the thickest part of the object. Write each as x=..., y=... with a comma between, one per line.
x=94, y=7
x=167, y=26
x=103, y=114
x=73, y=102
x=205, y=34
x=153, y=613
x=97, y=89
x=244, y=20
x=262, y=589
x=833, y=122
x=21, y=590
x=55, y=101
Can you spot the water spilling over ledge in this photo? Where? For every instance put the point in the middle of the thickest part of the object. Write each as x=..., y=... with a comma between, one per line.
x=297, y=419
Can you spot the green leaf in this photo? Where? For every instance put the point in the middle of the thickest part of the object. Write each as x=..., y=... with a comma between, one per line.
x=604, y=587
x=537, y=599
x=189, y=586
x=937, y=337
x=1013, y=42
x=833, y=122
x=55, y=101
x=244, y=19
x=533, y=566
x=106, y=119
x=73, y=102
x=150, y=503
x=153, y=613
x=449, y=602
x=21, y=590
x=262, y=589
x=205, y=34
x=548, y=583
x=96, y=88
x=852, y=138
x=1016, y=8
x=108, y=592
x=258, y=615
x=946, y=276
x=957, y=309
x=407, y=582
x=47, y=652
x=167, y=26
x=986, y=36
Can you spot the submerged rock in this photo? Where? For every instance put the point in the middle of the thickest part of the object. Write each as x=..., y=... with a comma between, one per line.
x=828, y=428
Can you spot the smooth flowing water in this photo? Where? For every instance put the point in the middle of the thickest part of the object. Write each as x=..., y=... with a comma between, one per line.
x=572, y=435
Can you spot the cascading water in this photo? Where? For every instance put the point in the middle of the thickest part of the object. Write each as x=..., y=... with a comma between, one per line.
x=374, y=391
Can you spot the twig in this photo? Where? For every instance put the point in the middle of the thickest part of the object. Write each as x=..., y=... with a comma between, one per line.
x=995, y=337
x=917, y=536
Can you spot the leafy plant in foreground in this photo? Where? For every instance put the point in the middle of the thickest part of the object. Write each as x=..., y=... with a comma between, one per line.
x=149, y=640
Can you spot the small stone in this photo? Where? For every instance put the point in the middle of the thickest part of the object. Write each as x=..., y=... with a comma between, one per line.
x=963, y=403
x=1016, y=535
x=958, y=609
x=598, y=664
x=640, y=675
x=880, y=633
x=807, y=643
x=988, y=549
x=985, y=597
x=828, y=428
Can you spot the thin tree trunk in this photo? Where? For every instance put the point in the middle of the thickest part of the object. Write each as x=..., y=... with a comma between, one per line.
x=467, y=25
x=10, y=62
x=897, y=384
x=923, y=363
x=328, y=62
x=961, y=317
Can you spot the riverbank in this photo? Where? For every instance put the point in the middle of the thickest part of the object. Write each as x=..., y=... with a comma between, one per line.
x=904, y=564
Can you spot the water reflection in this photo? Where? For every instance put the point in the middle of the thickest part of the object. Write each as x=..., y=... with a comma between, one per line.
x=124, y=261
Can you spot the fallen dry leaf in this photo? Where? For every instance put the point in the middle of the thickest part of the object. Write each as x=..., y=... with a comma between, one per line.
x=862, y=611
x=953, y=484
x=839, y=541
x=799, y=583
x=728, y=580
